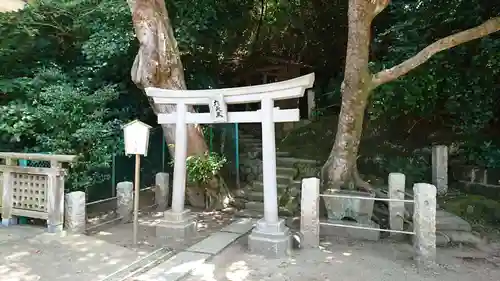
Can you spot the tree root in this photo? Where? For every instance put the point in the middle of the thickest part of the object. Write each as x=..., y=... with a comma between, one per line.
x=359, y=182
x=219, y=198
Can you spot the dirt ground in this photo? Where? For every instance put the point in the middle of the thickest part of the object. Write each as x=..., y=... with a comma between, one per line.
x=121, y=234
x=344, y=260
x=28, y=253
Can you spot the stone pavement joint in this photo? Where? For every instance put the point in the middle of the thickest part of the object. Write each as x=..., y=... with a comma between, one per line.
x=183, y=263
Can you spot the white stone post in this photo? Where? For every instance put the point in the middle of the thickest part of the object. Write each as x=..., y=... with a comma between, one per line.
x=396, y=209
x=440, y=168
x=125, y=200
x=311, y=103
x=269, y=162
x=270, y=237
x=162, y=191
x=424, y=223
x=309, y=213
x=55, y=198
x=178, y=192
x=7, y=218
x=178, y=222
x=75, y=216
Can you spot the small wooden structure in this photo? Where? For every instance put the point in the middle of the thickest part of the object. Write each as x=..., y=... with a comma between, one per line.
x=136, y=136
x=34, y=192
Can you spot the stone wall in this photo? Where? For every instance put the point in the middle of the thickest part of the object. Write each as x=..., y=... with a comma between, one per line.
x=290, y=199
x=480, y=181
x=250, y=166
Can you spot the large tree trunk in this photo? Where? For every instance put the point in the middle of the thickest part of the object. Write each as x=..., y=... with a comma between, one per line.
x=340, y=170
x=158, y=64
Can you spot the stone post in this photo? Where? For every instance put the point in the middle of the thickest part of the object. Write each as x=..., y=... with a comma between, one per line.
x=440, y=168
x=162, y=190
x=178, y=222
x=396, y=209
x=270, y=237
x=311, y=104
x=125, y=200
x=75, y=216
x=309, y=213
x=7, y=218
x=55, y=198
x=424, y=223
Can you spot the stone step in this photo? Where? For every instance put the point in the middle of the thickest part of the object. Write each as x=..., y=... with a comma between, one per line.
x=285, y=171
x=280, y=178
x=255, y=196
x=245, y=147
x=246, y=136
x=250, y=149
x=448, y=221
x=290, y=161
x=248, y=213
x=282, y=153
x=255, y=206
x=259, y=186
x=256, y=210
x=249, y=141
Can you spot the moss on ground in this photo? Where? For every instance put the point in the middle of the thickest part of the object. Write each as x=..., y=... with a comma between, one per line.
x=313, y=141
x=481, y=212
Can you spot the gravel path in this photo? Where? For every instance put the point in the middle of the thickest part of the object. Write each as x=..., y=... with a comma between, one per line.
x=342, y=260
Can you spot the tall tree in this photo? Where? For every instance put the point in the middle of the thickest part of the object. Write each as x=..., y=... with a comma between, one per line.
x=158, y=64
x=340, y=170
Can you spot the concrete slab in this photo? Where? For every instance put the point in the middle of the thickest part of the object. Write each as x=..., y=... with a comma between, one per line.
x=354, y=233
x=215, y=243
x=240, y=226
x=175, y=268
x=449, y=221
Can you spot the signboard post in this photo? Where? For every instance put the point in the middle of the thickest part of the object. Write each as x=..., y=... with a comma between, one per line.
x=136, y=136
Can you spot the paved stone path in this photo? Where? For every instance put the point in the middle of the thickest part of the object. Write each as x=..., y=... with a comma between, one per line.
x=185, y=262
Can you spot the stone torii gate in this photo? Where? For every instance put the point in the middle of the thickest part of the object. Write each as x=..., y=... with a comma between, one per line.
x=270, y=236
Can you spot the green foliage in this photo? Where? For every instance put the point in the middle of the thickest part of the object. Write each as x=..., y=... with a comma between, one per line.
x=59, y=90
x=58, y=116
x=479, y=152
x=65, y=74
x=202, y=168
x=415, y=166
x=451, y=99
x=475, y=208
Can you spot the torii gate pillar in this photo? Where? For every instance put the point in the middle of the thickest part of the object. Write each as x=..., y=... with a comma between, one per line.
x=270, y=237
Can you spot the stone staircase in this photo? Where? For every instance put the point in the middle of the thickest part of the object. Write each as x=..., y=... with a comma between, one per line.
x=287, y=175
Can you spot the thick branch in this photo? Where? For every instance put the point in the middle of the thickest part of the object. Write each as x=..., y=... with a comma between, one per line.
x=387, y=75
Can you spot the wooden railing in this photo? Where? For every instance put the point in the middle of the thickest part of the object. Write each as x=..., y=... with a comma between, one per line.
x=33, y=192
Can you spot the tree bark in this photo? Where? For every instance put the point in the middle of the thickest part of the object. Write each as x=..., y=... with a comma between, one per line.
x=340, y=170
x=158, y=64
